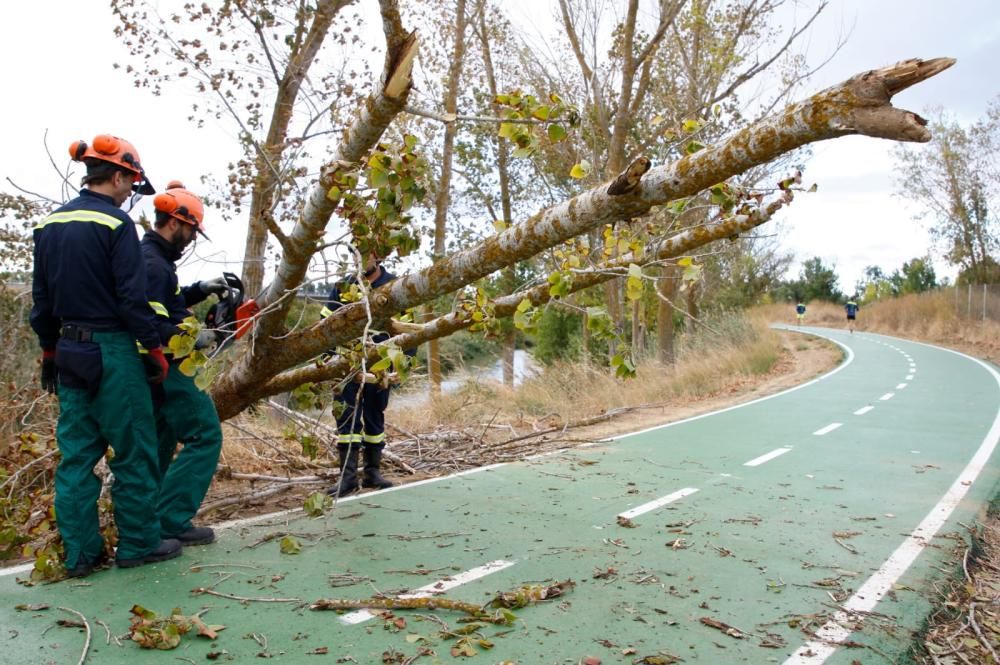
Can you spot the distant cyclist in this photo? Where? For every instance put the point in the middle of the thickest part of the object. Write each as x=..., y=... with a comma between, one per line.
x=852, y=312
x=800, y=312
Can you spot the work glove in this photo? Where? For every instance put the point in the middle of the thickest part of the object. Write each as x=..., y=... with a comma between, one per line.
x=156, y=366
x=216, y=285
x=206, y=340
x=50, y=374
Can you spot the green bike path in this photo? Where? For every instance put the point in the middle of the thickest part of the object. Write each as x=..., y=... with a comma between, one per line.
x=793, y=529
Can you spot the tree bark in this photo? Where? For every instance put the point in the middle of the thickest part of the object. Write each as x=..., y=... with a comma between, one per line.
x=358, y=139
x=667, y=291
x=268, y=162
x=860, y=105
x=443, y=197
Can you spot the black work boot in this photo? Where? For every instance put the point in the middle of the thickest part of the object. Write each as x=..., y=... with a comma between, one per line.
x=373, y=459
x=348, y=453
x=167, y=549
x=85, y=566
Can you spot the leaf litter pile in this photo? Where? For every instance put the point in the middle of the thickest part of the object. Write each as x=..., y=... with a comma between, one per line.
x=965, y=628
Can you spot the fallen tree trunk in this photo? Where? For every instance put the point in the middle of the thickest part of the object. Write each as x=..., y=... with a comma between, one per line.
x=861, y=105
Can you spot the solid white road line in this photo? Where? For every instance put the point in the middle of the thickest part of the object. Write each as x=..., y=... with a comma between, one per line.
x=826, y=430
x=833, y=632
x=757, y=461
x=847, y=351
x=887, y=396
x=653, y=505
x=900, y=386
x=437, y=587
x=863, y=410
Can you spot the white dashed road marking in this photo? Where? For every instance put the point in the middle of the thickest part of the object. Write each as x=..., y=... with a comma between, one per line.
x=826, y=430
x=887, y=396
x=653, y=505
x=900, y=386
x=863, y=410
x=757, y=461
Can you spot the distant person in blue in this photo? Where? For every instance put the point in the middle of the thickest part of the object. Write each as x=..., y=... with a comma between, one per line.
x=800, y=312
x=852, y=313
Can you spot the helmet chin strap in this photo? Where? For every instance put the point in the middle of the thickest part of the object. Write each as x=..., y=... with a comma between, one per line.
x=132, y=200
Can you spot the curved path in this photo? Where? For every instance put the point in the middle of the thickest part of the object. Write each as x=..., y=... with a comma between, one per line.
x=831, y=507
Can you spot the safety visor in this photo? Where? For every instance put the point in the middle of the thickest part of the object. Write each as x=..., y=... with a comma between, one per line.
x=140, y=183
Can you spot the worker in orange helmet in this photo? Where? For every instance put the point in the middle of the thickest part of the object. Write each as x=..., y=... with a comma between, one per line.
x=89, y=308
x=184, y=413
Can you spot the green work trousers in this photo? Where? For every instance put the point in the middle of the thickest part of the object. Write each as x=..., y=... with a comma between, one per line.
x=188, y=416
x=119, y=415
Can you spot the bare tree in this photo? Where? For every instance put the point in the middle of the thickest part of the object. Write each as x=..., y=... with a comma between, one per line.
x=955, y=179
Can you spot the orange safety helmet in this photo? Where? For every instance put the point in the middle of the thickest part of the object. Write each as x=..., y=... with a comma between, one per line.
x=181, y=204
x=117, y=151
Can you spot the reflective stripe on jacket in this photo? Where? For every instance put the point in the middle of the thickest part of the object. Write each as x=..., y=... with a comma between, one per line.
x=88, y=271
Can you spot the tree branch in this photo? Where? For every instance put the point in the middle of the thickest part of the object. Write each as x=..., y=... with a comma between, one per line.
x=678, y=245
x=860, y=105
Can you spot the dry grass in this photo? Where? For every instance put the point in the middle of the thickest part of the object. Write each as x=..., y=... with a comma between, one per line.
x=708, y=362
x=927, y=317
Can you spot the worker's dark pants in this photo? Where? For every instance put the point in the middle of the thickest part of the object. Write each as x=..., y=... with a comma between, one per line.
x=363, y=418
x=118, y=414
x=188, y=416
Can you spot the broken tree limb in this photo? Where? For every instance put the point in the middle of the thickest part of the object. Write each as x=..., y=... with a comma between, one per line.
x=860, y=105
x=379, y=111
x=427, y=603
x=672, y=247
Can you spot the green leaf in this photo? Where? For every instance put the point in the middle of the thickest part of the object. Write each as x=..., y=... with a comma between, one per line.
x=693, y=147
x=556, y=133
x=691, y=126
x=580, y=170
x=333, y=193
x=317, y=504
x=507, y=130
x=290, y=545
x=381, y=365
x=188, y=367
x=181, y=345
x=377, y=178
x=541, y=113
x=524, y=305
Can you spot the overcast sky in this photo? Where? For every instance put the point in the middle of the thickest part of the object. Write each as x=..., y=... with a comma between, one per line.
x=58, y=77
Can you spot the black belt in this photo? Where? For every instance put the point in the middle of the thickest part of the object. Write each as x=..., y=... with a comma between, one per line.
x=76, y=333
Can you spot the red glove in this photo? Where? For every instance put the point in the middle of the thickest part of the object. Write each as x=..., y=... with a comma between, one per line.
x=50, y=375
x=156, y=365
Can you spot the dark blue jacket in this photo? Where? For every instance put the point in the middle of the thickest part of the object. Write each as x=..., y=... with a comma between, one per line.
x=169, y=301
x=89, y=272
x=334, y=303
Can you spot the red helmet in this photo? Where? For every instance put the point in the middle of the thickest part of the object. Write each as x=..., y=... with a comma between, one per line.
x=181, y=204
x=117, y=151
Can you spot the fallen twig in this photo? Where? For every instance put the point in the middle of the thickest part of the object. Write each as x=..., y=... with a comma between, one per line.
x=86, y=625
x=243, y=599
